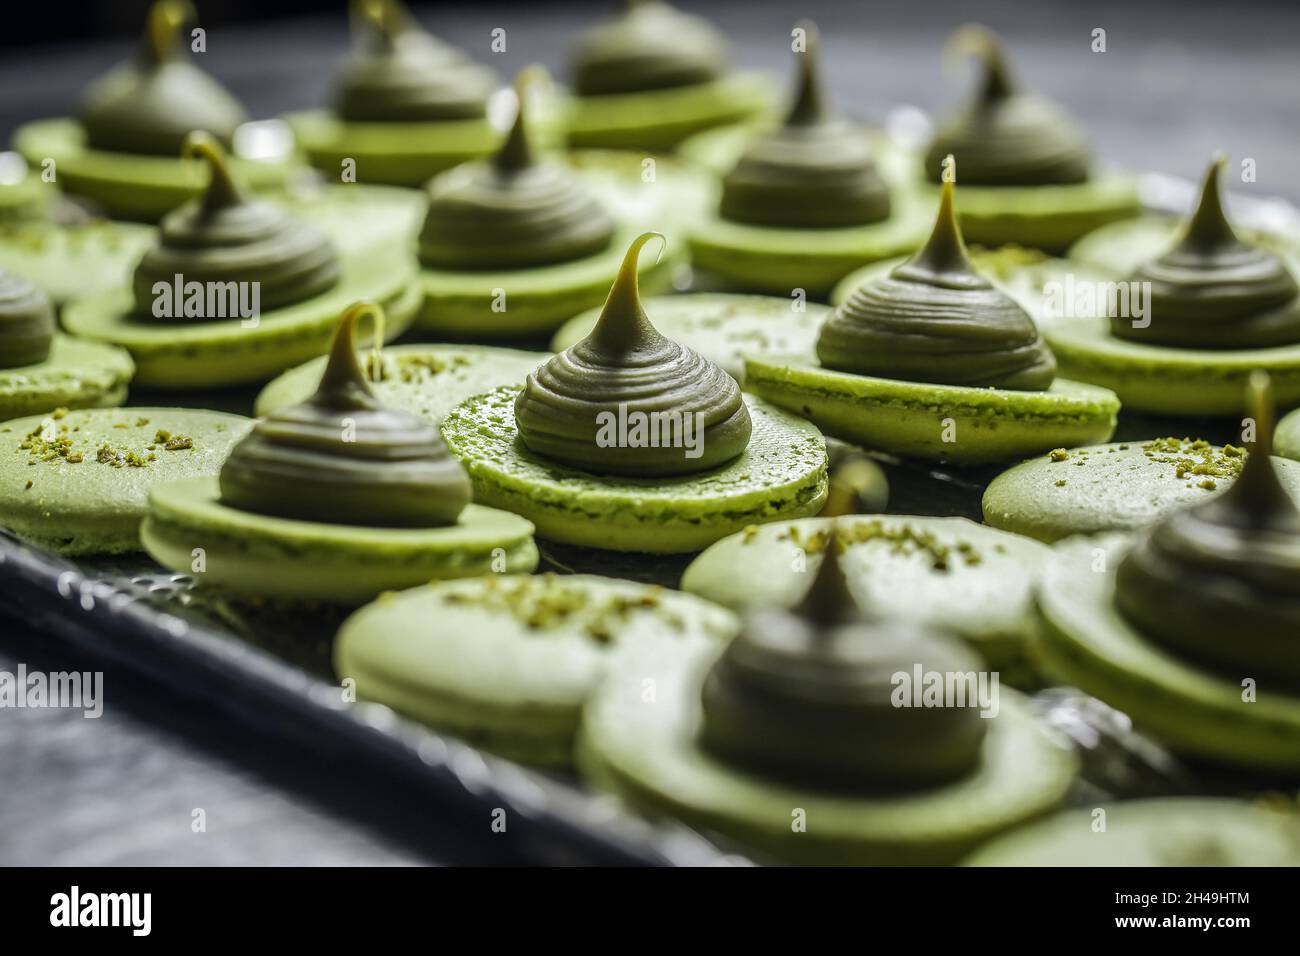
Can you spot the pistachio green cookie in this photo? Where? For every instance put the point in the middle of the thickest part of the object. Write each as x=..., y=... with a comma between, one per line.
x=76, y=260
x=782, y=474
x=1199, y=712
x=649, y=753
x=1119, y=248
x=1287, y=438
x=429, y=380
x=1185, y=831
x=661, y=119
x=358, y=218
x=953, y=423
x=391, y=154
x=721, y=327
x=507, y=662
x=777, y=261
x=522, y=303
x=974, y=581
x=24, y=196
x=221, y=352
x=132, y=186
x=251, y=553
x=1046, y=217
x=77, y=482
x=75, y=374
x=1115, y=487
x=645, y=190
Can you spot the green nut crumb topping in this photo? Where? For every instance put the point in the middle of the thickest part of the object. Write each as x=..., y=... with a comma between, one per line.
x=901, y=540
x=1058, y=454
x=1196, y=459
x=51, y=442
x=544, y=603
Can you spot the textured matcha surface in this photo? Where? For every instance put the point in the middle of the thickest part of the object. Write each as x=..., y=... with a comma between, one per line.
x=660, y=119
x=223, y=352
x=782, y=474
x=337, y=563
x=391, y=154
x=77, y=374
x=73, y=261
x=508, y=661
x=974, y=581
x=429, y=380
x=493, y=305
x=1115, y=487
x=1196, y=712
x=652, y=192
x=912, y=419
x=76, y=482
x=764, y=259
x=130, y=185
x=1186, y=831
x=719, y=326
x=647, y=752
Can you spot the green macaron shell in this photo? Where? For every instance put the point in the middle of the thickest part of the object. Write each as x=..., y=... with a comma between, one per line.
x=1184, y=383
x=1286, y=440
x=508, y=662
x=253, y=553
x=76, y=374
x=913, y=418
x=1044, y=217
x=651, y=190
x=130, y=186
x=357, y=217
x=1087, y=642
x=29, y=199
x=1183, y=831
x=721, y=327
x=1179, y=382
x=972, y=581
x=660, y=119
x=94, y=505
x=222, y=352
x=1115, y=487
x=535, y=301
x=391, y=154
x=782, y=474
x=764, y=259
x=648, y=753
x=429, y=380
x=73, y=261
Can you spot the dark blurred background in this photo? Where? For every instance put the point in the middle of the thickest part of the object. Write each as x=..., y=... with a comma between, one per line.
x=1180, y=78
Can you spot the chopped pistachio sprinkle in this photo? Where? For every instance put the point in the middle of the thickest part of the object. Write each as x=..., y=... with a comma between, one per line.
x=54, y=441
x=901, y=540
x=1196, y=459
x=1058, y=454
x=544, y=603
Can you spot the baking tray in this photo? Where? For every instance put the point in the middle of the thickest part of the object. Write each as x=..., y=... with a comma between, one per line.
x=269, y=668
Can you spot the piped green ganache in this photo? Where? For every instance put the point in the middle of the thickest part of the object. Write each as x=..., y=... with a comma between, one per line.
x=514, y=210
x=150, y=104
x=1219, y=582
x=400, y=73
x=815, y=171
x=341, y=457
x=808, y=696
x=650, y=46
x=1006, y=136
x=226, y=236
x=628, y=401
x=1212, y=290
x=936, y=319
x=26, y=322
